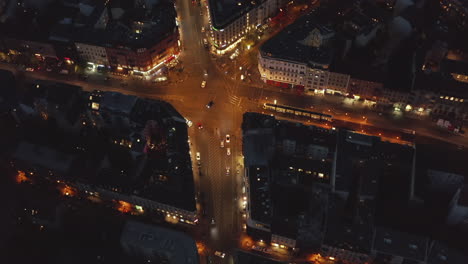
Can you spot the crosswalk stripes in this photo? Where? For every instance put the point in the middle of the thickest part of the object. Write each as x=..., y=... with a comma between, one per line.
x=235, y=100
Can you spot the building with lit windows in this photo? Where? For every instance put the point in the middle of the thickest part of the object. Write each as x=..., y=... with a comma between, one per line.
x=289, y=167
x=231, y=20
x=445, y=88
x=150, y=46
x=92, y=53
x=142, y=160
x=136, y=40
x=454, y=12
x=299, y=57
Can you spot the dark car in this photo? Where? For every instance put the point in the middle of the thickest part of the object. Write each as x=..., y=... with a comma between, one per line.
x=210, y=104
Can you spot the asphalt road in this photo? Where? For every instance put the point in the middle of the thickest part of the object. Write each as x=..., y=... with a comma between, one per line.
x=231, y=98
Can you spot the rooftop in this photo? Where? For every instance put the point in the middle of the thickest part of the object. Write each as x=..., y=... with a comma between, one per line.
x=349, y=224
x=396, y=243
x=258, y=140
x=44, y=157
x=293, y=43
x=260, y=198
x=357, y=167
x=442, y=254
x=165, y=175
x=133, y=28
x=242, y=257
x=132, y=145
x=223, y=12
x=305, y=135
x=153, y=241
x=282, y=184
x=454, y=66
x=395, y=180
x=8, y=90
x=118, y=103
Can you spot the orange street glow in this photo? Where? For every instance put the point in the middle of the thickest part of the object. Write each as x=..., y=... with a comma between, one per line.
x=21, y=177
x=124, y=207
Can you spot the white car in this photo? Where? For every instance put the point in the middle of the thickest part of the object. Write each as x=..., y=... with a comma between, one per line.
x=228, y=138
x=220, y=254
x=228, y=151
x=205, y=73
x=222, y=143
x=198, y=155
x=203, y=84
x=228, y=171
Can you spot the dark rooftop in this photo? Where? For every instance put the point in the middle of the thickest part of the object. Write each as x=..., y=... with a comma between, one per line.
x=441, y=83
x=354, y=150
x=137, y=28
x=223, y=12
x=396, y=243
x=454, y=66
x=282, y=187
x=289, y=45
x=242, y=257
x=349, y=228
x=260, y=198
x=177, y=247
x=442, y=254
x=7, y=90
x=147, y=156
x=305, y=135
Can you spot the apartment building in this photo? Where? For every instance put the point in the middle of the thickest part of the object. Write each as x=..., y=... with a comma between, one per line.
x=230, y=20
x=299, y=57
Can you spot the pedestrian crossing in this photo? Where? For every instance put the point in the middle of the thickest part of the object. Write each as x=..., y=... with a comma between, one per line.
x=235, y=100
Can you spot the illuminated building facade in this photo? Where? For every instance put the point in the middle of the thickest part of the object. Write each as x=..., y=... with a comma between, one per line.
x=231, y=20
x=293, y=74
x=299, y=57
x=144, y=60
x=92, y=53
